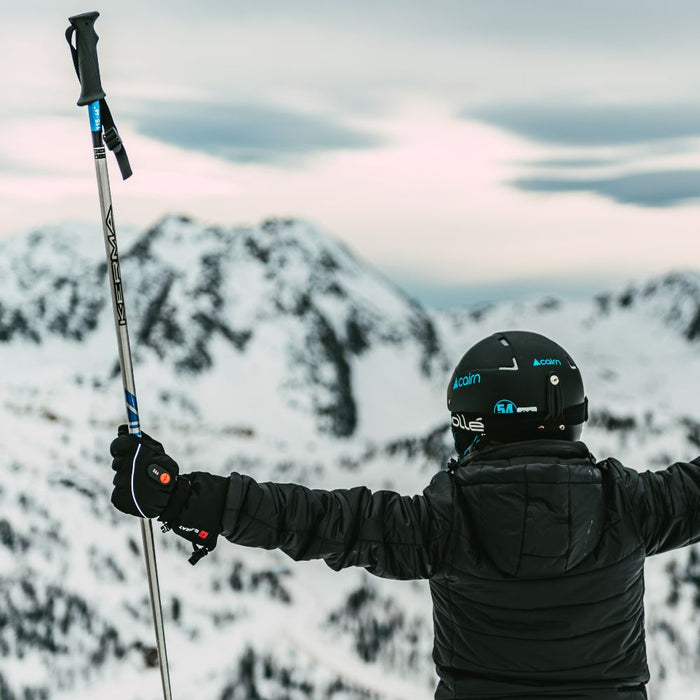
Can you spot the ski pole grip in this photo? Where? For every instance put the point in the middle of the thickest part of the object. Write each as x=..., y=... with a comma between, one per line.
x=86, y=49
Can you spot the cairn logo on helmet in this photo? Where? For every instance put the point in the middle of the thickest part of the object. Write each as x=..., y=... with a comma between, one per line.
x=466, y=380
x=549, y=361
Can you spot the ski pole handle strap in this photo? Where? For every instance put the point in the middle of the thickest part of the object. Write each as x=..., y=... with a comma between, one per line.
x=84, y=53
x=114, y=141
x=85, y=56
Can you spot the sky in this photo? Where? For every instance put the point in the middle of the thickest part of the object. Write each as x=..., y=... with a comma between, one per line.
x=466, y=149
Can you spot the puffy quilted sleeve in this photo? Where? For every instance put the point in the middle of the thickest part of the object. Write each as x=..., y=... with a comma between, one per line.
x=392, y=536
x=667, y=505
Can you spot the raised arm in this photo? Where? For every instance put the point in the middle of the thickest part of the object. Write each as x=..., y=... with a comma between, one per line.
x=392, y=536
x=667, y=504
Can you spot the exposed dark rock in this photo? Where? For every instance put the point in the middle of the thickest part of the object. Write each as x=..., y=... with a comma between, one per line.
x=261, y=677
x=269, y=581
x=11, y=539
x=603, y=303
x=549, y=304
x=336, y=406
x=692, y=330
x=159, y=327
x=49, y=619
x=356, y=334
x=626, y=298
x=433, y=447
x=604, y=419
x=693, y=431
x=380, y=629
x=13, y=322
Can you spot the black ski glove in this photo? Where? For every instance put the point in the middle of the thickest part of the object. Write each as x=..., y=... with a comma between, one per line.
x=145, y=476
x=147, y=484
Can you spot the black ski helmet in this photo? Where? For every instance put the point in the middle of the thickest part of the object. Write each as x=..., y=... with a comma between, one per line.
x=512, y=386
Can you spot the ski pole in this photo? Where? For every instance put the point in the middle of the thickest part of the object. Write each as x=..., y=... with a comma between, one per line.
x=84, y=53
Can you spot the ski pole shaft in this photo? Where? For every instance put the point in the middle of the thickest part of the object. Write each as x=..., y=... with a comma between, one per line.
x=91, y=94
x=125, y=362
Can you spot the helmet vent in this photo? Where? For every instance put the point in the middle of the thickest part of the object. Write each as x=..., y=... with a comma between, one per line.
x=512, y=367
x=503, y=341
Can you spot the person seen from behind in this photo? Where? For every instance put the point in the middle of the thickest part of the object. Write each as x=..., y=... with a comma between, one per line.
x=534, y=551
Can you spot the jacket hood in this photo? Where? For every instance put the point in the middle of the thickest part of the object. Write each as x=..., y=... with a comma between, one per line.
x=537, y=506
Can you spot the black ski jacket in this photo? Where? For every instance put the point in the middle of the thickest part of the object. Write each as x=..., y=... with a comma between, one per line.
x=534, y=552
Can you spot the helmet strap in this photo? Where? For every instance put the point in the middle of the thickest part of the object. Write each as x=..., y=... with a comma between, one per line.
x=555, y=412
x=474, y=444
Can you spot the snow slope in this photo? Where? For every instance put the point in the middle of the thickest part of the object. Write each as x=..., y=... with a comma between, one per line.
x=274, y=350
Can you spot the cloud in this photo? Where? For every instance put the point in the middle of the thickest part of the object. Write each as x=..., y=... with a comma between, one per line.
x=572, y=162
x=651, y=189
x=442, y=295
x=588, y=136
x=250, y=133
x=627, y=22
x=592, y=124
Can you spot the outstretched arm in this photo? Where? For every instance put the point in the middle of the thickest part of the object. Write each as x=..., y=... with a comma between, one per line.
x=392, y=536
x=668, y=505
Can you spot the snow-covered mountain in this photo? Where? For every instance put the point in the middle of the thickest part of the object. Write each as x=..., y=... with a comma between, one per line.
x=274, y=350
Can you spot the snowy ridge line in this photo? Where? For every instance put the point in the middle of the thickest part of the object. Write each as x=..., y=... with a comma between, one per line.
x=272, y=350
x=343, y=664
x=353, y=671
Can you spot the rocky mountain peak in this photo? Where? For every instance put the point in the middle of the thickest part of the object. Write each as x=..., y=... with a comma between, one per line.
x=199, y=295
x=673, y=298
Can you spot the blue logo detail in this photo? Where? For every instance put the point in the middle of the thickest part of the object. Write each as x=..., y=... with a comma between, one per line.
x=466, y=380
x=547, y=361
x=132, y=412
x=505, y=406
x=95, y=116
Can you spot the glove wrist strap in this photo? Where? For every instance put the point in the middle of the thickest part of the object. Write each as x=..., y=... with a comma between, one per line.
x=177, y=501
x=198, y=553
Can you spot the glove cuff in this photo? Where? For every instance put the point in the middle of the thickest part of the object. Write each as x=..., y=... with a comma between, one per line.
x=177, y=501
x=196, y=508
